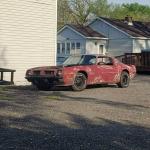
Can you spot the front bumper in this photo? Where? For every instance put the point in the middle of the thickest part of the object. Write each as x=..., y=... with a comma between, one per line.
x=55, y=81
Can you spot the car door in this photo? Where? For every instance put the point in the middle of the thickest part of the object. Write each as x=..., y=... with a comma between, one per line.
x=106, y=69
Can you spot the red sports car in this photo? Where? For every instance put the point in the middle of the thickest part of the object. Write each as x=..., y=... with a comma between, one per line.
x=78, y=71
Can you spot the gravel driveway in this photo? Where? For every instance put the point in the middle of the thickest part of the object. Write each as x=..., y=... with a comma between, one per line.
x=98, y=118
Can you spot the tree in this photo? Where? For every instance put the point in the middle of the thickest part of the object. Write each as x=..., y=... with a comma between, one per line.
x=137, y=11
x=101, y=8
x=80, y=10
x=64, y=13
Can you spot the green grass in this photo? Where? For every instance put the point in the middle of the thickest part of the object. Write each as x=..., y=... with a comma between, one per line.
x=3, y=88
x=3, y=94
x=52, y=97
x=5, y=97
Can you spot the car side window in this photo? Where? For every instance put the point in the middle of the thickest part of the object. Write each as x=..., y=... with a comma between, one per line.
x=105, y=61
x=89, y=60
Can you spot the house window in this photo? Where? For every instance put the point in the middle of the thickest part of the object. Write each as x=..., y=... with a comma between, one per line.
x=58, y=48
x=78, y=46
x=73, y=46
x=101, y=49
x=68, y=48
x=63, y=48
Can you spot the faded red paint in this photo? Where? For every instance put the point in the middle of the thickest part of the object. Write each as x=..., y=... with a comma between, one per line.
x=96, y=74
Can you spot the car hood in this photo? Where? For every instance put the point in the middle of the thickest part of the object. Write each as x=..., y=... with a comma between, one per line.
x=47, y=68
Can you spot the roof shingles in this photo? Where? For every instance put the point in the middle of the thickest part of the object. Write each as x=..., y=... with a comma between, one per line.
x=86, y=31
x=138, y=29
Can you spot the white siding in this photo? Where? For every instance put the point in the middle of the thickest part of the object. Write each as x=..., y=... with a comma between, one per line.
x=140, y=45
x=92, y=46
x=27, y=34
x=119, y=42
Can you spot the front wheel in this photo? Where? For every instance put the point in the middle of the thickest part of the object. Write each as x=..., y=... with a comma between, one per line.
x=124, y=80
x=79, y=83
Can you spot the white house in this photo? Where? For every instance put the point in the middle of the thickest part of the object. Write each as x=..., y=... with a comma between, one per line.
x=125, y=36
x=28, y=30
x=77, y=39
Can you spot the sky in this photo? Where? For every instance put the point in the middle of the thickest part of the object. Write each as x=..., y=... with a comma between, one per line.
x=143, y=2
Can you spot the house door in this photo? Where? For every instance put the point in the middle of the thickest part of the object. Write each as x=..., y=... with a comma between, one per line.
x=101, y=49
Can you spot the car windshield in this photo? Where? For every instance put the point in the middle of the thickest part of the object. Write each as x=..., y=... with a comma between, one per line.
x=80, y=60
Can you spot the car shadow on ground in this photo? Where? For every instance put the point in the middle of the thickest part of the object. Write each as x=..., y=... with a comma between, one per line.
x=61, y=88
x=35, y=133
x=59, y=94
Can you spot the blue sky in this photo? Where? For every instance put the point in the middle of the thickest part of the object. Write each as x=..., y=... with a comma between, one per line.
x=143, y=2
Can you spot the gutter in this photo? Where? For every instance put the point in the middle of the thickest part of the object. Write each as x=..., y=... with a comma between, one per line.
x=97, y=38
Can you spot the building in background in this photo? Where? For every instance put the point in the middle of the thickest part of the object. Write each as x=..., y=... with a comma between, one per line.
x=77, y=39
x=125, y=36
x=104, y=35
x=28, y=30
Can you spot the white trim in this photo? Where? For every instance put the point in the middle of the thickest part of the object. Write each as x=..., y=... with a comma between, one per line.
x=67, y=47
x=70, y=42
x=97, y=38
x=55, y=54
x=111, y=26
x=67, y=26
x=61, y=29
x=141, y=38
x=133, y=45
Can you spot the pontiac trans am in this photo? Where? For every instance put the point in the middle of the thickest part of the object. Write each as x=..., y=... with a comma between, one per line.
x=78, y=71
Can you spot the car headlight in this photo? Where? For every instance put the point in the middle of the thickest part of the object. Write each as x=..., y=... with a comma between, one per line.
x=29, y=72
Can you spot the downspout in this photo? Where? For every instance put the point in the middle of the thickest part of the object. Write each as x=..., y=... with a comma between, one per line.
x=133, y=45
x=108, y=42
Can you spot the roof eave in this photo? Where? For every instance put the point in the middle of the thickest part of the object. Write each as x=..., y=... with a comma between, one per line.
x=97, y=38
x=70, y=27
x=142, y=38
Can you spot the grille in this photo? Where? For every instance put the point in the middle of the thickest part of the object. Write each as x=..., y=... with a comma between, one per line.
x=37, y=72
x=51, y=73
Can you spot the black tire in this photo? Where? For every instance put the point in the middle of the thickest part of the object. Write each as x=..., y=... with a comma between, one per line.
x=41, y=85
x=124, y=80
x=79, y=83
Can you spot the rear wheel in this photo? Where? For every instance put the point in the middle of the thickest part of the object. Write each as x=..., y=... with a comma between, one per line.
x=79, y=82
x=124, y=80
